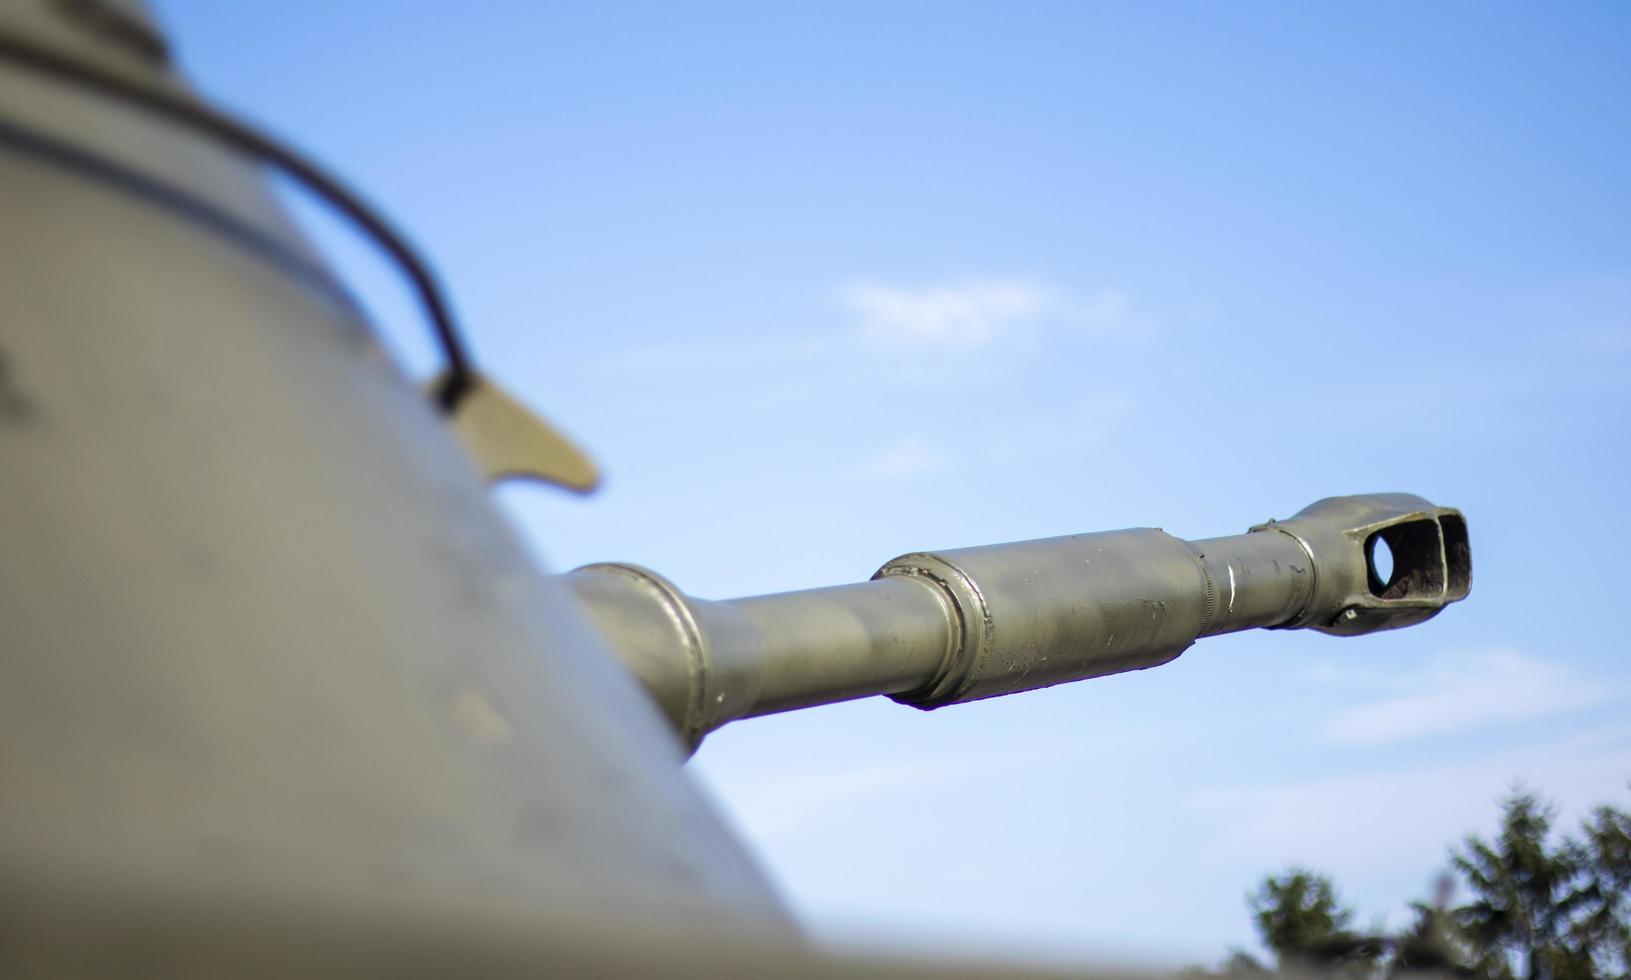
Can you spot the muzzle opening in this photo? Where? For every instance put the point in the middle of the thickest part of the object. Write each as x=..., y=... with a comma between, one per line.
x=1418, y=560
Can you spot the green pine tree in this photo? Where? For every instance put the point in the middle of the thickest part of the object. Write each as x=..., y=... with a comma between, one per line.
x=1527, y=894
x=1299, y=917
x=1603, y=925
x=1432, y=944
x=1541, y=909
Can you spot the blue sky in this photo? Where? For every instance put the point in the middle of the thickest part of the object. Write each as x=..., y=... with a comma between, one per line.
x=823, y=283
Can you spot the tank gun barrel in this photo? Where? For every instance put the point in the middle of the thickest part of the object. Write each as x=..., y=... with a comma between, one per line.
x=945, y=627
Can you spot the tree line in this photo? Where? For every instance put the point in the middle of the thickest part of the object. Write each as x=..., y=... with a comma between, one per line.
x=1540, y=906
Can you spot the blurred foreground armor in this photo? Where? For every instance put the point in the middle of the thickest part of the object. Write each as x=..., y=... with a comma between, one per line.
x=281, y=693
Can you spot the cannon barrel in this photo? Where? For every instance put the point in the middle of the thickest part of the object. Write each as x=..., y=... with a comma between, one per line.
x=944, y=627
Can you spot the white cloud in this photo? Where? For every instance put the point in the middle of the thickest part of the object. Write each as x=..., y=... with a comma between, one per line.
x=899, y=330
x=976, y=313
x=1460, y=692
x=964, y=316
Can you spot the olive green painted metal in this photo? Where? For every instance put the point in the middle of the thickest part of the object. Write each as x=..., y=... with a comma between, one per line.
x=939, y=628
x=281, y=694
x=267, y=644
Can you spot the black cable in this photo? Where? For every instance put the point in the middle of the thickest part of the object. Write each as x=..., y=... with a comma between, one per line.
x=460, y=377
